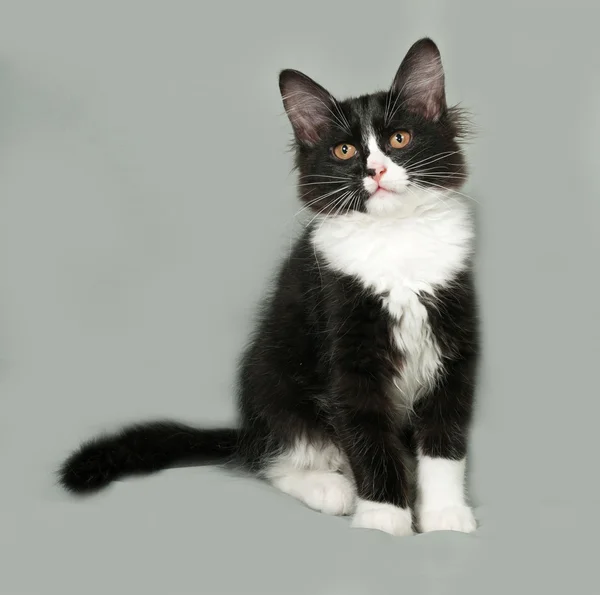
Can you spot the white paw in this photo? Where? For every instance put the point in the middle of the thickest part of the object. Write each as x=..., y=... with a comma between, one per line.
x=383, y=517
x=331, y=493
x=325, y=491
x=451, y=518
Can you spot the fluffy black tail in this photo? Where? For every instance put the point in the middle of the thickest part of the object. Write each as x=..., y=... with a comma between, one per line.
x=143, y=448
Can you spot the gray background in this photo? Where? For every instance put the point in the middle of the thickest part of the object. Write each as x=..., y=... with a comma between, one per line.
x=134, y=246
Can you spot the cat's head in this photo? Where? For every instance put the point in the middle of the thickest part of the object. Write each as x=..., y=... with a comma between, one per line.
x=383, y=153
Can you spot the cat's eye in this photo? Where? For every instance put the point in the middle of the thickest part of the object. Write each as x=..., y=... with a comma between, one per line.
x=344, y=151
x=400, y=139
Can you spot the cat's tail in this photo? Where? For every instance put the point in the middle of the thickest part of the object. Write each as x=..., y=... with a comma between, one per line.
x=144, y=448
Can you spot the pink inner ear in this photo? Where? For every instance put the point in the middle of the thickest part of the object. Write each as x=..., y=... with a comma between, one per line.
x=431, y=106
x=308, y=105
x=425, y=93
x=420, y=81
x=307, y=123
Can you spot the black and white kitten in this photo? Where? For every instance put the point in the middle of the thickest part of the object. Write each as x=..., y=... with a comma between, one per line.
x=366, y=349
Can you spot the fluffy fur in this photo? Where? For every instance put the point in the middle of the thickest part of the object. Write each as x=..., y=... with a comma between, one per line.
x=365, y=350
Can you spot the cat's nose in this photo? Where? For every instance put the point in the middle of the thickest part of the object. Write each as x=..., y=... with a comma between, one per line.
x=377, y=171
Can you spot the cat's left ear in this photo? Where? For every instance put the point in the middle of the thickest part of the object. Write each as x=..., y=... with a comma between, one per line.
x=419, y=82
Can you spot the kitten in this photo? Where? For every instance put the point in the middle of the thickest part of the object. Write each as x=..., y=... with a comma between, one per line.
x=366, y=348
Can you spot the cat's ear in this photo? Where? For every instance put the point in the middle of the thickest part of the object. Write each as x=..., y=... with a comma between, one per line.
x=308, y=105
x=419, y=82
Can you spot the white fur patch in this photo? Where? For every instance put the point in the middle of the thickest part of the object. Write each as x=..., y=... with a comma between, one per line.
x=453, y=518
x=316, y=456
x=383, y=517
x=377, y=158
x=422, y=357
x=325, y=491
x=311, y=472
x=441, y=499
x=394, y=181
x=397, y=256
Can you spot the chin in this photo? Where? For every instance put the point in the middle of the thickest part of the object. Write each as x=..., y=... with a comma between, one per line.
x=387, y=203
x=402, y=203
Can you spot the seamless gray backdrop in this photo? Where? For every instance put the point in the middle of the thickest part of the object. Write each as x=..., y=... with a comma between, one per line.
x=134, y=247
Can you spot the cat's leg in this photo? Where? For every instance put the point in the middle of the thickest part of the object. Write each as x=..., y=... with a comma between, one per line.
x=375, y=455
x=311, y=471
x=441, y=430
x=366, y=424
x=363, y=414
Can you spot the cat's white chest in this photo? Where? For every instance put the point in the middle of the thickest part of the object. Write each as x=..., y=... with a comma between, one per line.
x=398, y=259
x=421, y=357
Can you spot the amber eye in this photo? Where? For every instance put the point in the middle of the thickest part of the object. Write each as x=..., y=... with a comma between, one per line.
x=344, y=151
x=400, y=139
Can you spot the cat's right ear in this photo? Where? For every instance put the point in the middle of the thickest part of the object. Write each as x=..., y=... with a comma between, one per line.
x=308, y=105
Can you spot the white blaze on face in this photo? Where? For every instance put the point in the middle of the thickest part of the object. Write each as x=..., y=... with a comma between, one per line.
x=385, y=195
x=376, y=160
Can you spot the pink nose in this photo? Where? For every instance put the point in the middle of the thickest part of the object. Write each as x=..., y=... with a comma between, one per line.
x=379, y=171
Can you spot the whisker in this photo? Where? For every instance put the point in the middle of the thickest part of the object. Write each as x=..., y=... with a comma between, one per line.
x=394, y=107
x=332, y=206
x=387, y=102
x=449, y=191
x=342, y=114
x=313, y=201
x=356, y=200
x=436, y=195
x=434, y=158
x=345, y=203
x=443, y=176
x=323, y=176
x=390, y=109
x=317, y=183
x=341, y=202
x=319, y=198
x=414, y=156
x=337, y=183
x=439, y=171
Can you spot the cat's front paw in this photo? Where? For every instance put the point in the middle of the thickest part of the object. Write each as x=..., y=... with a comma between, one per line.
x=383, y=517
x=451, y=518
